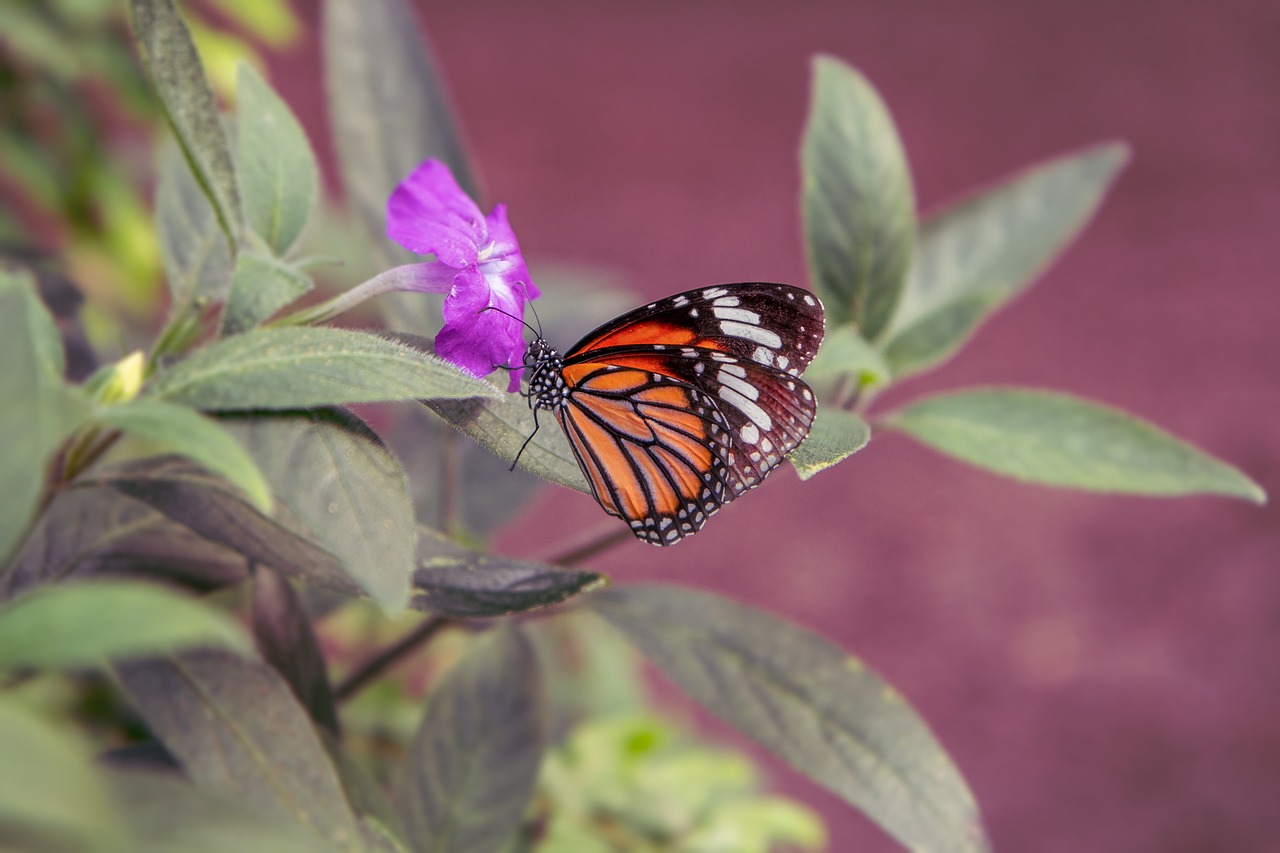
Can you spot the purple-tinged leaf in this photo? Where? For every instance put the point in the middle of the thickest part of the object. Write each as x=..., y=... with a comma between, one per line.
x=455, y=582
x=285, y=639
x=472, y=766
x=237, y=729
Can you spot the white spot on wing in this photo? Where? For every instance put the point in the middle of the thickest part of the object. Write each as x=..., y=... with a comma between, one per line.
x=757, y=415
x=713, y=292
x=750, y=434
x=744, y=388
x=755, y=334
x=740, y=314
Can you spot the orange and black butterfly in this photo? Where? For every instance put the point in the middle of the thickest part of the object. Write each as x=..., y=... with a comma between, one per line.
x=677, y=408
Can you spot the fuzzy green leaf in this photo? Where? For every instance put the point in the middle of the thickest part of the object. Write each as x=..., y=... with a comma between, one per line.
x=260, y=286
x=188, y=433
x=835, y=436
x=983, y=250
x=471, y=769
x=278, y=174
x=197, y=261
x=297, y=368
x=1060, y=440
x=189, y=105
x=39, y=410
x=336, y=476
x=812, y=705
x=86, y=624
x=859, y=206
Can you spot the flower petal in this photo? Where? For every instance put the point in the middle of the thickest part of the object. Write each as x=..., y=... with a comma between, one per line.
x=503, y=257
x=428, y=213
x=477, y=340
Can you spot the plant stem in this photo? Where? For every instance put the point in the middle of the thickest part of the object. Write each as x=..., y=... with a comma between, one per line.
x=603, y=541
x=375, y=665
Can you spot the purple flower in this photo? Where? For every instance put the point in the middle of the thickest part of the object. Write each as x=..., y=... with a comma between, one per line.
x=478, y=264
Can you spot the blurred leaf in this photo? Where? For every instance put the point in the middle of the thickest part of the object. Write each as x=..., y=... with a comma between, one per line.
x=845, y=353
x=503, y=425
x=176, y=73
x=296, y=368
x=278, y=174
x=471, y=769
x=834, y=437
x=273, y=23
x=197, y=261
x=208, y=506
x=237, y=729
x=89, y=532
x=379, y=826
x=260, y=286
x=981, y=251
x=336, y=476
x=85, y=624
x=167, y=814
x=39, y=410
x=51, y=798
x=387, y=107
x=859, y=207
x=188, y=433
x=1060, y=440
x=938, y=335
x=455, y=582
x=285, y=639
x=812, y=705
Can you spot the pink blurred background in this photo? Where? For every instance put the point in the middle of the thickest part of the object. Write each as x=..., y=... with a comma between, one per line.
x=1104, y=670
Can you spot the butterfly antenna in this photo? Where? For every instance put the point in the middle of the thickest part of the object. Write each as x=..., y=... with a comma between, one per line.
x=537, y=332
x=533, y=309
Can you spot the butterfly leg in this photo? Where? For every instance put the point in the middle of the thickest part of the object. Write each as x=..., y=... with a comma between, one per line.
x=526, y=441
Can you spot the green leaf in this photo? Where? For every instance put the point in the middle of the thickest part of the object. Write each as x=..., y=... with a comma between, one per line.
x=379, y=826
x=938, y=335
x=503, y=426
x=387, y=106
x=188, y=103
x=86, y=624
x=297, y=368
x=278, y=174
x=209, y=507
x=471, y=769
x=167, y=814
x=197, y=261
x=835, y=436
x=39, y=410
x=808, y=702
x=335, y=475
x=845, y=363
x=1060, y=440
x=237, y=729
x=981, y=251
x=859, y=207
x=455, y=582
x=260, y=286
x=284, y=636
x=188, y=433
x=51, y=798
x=89, y=532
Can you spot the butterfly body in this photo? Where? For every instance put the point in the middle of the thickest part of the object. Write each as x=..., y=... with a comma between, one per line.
x=677, y=408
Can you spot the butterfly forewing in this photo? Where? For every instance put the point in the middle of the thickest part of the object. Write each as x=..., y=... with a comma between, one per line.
x=776, y=325
x=677, y=408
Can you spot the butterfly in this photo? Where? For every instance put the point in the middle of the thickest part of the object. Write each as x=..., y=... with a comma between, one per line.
x=676, y=408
